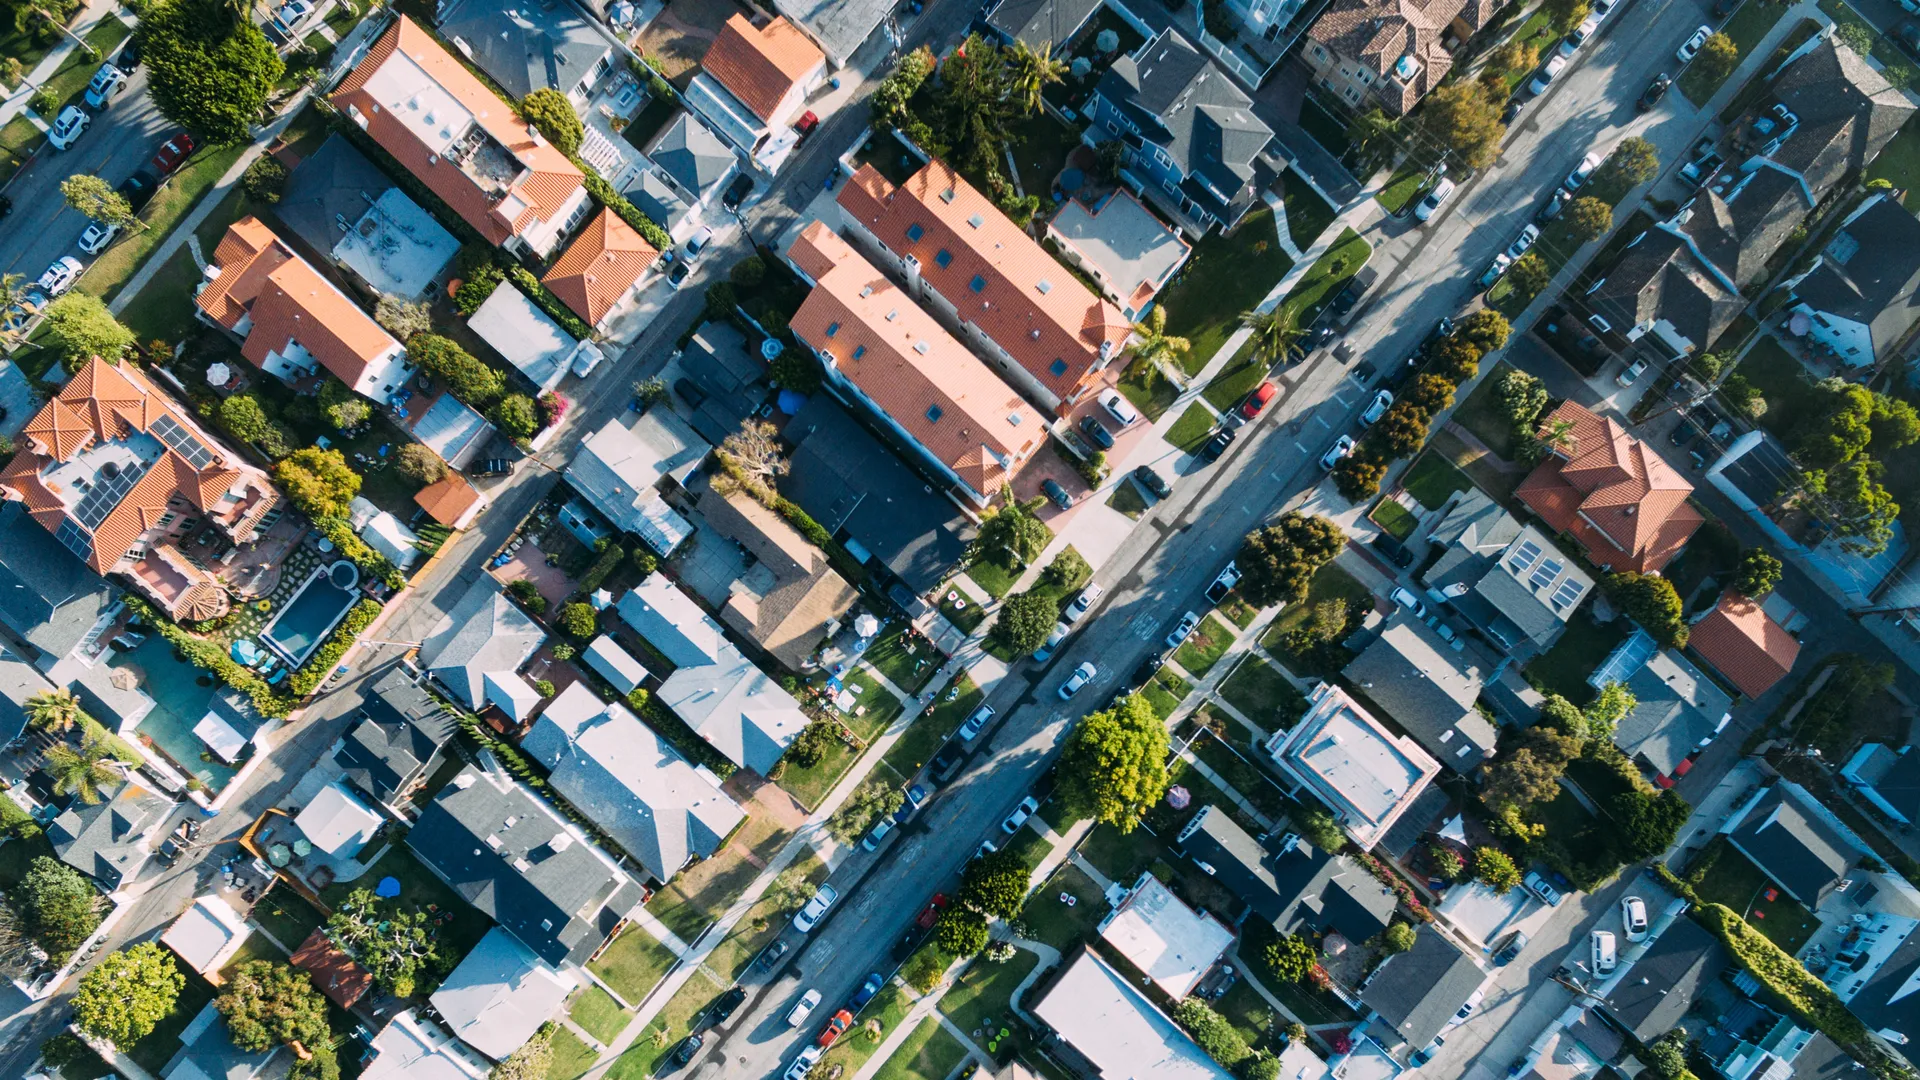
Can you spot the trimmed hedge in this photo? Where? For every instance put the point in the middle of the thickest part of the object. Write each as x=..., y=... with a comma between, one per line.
x=649, y=230
x=356, y=550
x=1812, y=999
x=307, y=679
x=544, y=299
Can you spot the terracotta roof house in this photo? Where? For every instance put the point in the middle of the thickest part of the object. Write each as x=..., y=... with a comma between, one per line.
x=466, y=144
x=1393, y=51
x=602, y=265
x=292, y=321
x=754, y=81
x=1861, y=297
x=333, y=972
x=119, y=475
x=789, y=593
x=1049, y=335
x=883, y=352
x=1743, y=643
x=451, y=500
x=1621, y=500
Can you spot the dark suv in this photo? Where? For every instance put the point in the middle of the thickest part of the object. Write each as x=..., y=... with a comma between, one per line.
x=946, y=763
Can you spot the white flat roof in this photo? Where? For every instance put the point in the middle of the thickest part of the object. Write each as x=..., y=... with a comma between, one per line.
x=206, y=933
x=615, y=664
x=336, y=821
x=1170, y=942
x=1354, y=764
x=396, y=246
x=1136, y=251
x=527, y=337
x=1117, y=1029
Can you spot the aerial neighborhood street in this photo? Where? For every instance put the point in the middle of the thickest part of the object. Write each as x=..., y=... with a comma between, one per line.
x=855, y=540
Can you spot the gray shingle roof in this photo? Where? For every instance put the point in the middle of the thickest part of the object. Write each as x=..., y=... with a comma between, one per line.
x=1868, y=273
x=103, y=840
x=397, y=739
x=1419, y=990
x=1474, y=530
x=1295, y=887
x=1677, y=707
x=1426, y=688
x=1794, y=844
x=1041, y=22
x=484, y=633
x=1658, y=277
x=19, y=681
x=499, y=995
x=692, y=155
x=1740, y=233
x=527, y=47
x=1660, y=987
x=47, y=596
x=1890, y=1001
x=1848, y=112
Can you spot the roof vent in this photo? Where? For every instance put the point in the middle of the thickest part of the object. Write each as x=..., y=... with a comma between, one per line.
x=464, y=780
x=1045, y=286
x=522, y=865
x=1034, y=333
x=560, y=842
x=947, y=195
x=892, y=315
x=494, y=841
x=1013, y=418
x=921, y=348
x=977, y=220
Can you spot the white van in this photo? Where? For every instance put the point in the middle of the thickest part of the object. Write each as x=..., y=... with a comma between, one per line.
x=1605, y=956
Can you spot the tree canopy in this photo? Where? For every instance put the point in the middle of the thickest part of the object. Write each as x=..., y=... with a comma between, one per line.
x=1757, y=573
x=470, y=380
x=995, y=883
x=1464, y=117
x=268, y=1002
x=123, y=996
x=1291, y=958
x=208, y=69
x=394, y=945
x=549, y=111
x=961, y=931
x=1278, y=562
x=61, y=908
x=95, y=198
x=1114, y=765
x=1651, y=601
x=1495, y=869
x=1026, y=619
x=1588, y=218
x=320, y=482
x=80, y=327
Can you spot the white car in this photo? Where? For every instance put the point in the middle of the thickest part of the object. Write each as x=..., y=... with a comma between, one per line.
x=802, y=1065
x=1578, y=36
x=1462, y=1014
x=800, y=1012
x=1633, y=917
x=1081, y=676
x=68, y=126
x=879, y=833
x=1431, y=204
x=809, y=916
x=1182, y=629
x=1495, y=270
x=292, y=14
x=1119, y=408
x=1082, y=603
x=1405, y=598
x=61, y=275
x=1605, y=952
x=96, y=238
x=977, y=720
x=1341, y=447
x=107, y=83
x=1634, y=371
x=1059, y=634
x=696, y=245
x=1583, y=170
x=1020, y=815
x=1524, y=241
x=1538, y=886
x=1692, y=45
x=1544, y=78
x=1382, y=401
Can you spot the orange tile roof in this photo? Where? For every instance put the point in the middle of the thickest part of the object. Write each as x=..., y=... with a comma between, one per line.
x=1743, y=643
x=761, y=66
x=1619, y=498
x=448, y=499
x=549, y=181
x=901, y=359
x=337, y=975
x=1028, y=303
x=600, y=266
x=290, y=302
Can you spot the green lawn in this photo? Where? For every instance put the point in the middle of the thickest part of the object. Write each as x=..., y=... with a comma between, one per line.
x=1241, y=775
x=763, y=922
x=1250, y=1014
x=1562, y=815
x=1735, y=881
x=1397, y=520
x=1781, y=379
x=995, y=573
x=1564, y=668
x=967, y=618
x=1483, y=414
x=287, y=917
x=701, y=893
x=1308, y=215
x=158, y=1047
x=599, y=1015
x=906, y=664
x=1204, y=647
x=419, y=889
x=1331, y=583
x=633, y=964
x=571, y=1056
x=1150, y=391
x=1238, y=611
x=978, y=1000
x=923, y=738
x=1329, y=274
x=927, y=1054
x=1040, y=148
x=1225, y=276
x=17, y=140
x=811, y=784
x=877, y=707
x=1432, y=480
x=1236, y=382
x=71, y=79
x=1052, y=920
x=1192, y=428
x=674, y=1022
x=171, y=203
x=1898, y=65
x=1161, y=700
x=1747, y=26
x=1900, y=163
x=164, y=309
x=1402, y=186
x=1121, y=856
x=1263, y=694
x=1127, y=499
x=884, y=1013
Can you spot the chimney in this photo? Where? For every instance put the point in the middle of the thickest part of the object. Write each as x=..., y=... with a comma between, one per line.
x=911, y=264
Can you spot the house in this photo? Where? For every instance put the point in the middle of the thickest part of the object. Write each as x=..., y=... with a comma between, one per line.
x=1744, y=644
x=19, y=681
x=443, y=125
x=618, y=468
x=1650, y=997
x=1626, y=506
x=789, y=597
x=509, y=853
x=333, y=972
x=384, y=533
x=1046, y=333
x=1294, y=886
x=1104, y=1027
x=1677, y=709
x=1754, y=1042
x=1427, y=688
x=231, y=725
x=207, y=935
x=119, y=476
x=601, y=268
x=1164, y=939
x=1123, y=246
x=1365, y=774
x=476, y=650
x=1862, y=294
x=1505, y=579
x=1799, y=844
x=528, y=47
x=1561, y=1054
x=1660, y=287
x=109, y=840
x=207, y=1053
x=753, y=82
x=529, y=339
x=1038, y=23
x=51, y=603
x=1392, y=54
x=662, y=810
x=615, y=664
x=111, y=694
x=839, y=27
x=398, y=741
x=1885, y=776
x=877, y=507
x=719, y=693
x=1193, y=144
x=452, y=501
x=1887, y=1001
x=500, y=995
x=699, y=163
x=1415, y=993
x=409, y=1048
x=881, y=352
x=448, y=427
x=1844, y=113
x=720, y=364
x=341, y=203
x=338, y=822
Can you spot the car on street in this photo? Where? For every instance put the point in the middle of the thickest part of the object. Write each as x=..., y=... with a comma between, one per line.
x=1057, y=635
x=129, y=58
x=945, y=763
x=68, y=126
x=61, y=275
x=879, y=832
x=1655, y=90
x=1150, y=479
x=1548, y=72
x=1436, y=198
x=697, y=245
x=1495, y=270
x=1119, y=408
x=805, y=126
x=1510, y=948
x=1583, y=170
x=1223, y=584
x=1525, y=240
x=1605, y=951
x=1405, y=598
x=1465, y=1011
x=1537, y=884
x=772, y=955
x=1908, y=35
x=1250, y=408
x=1217, y=445
x=723, y=1007
x=1056, y=494
x=802, y=1065
x=799, y=1013
x=1512, y=112
x=917, y=796
x=1348, y=297
x=1555, y=205
x=678, y=273
x=929, y=914
x=1691, y=47
x=1377, y=408
x=836, y=1024
x=1578, y=36
x=1392, y=550
x=96, y=237
x=689, y=1046
x=1020, y=815
x=737, y=192
x=138, y=189
x=291, y=15
x=1182, y=629
x=810, y=915
x=1096, y=434
x=975, y=720
x=1081, y=676
x=1633, y=918
x=1341, y=447
x=865, y=994
x=1087, y=598
x=1633, y=371
x=107, y=84
x=1147, y=668
x=173, y=153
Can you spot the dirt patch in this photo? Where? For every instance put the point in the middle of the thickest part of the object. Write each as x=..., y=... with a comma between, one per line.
x=745, y=786
x=677, y=39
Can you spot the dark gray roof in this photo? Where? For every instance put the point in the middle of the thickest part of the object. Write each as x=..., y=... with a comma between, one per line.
x=1041, y=22
x=1295, y=887
x=397, y=739
x=1185, y=104
x=47, y=595
x=1740, y=233
x=1792, y=843
x=1416, y=992
x=694, y=157
x=1890, y=1001
x=1820, y=1059
x=1657, y=991
x=1894, y=775
x=103, y=839
x=1426, y=688
x=1520, y=589
x=333, y=183
x=555, y=892
x=1868, y=274
x=19, y=681
x=485, y=633
x=859, y=490
x=526, y=46
x=1418, y=820
x=1475, y=530
x=1659, y=277
x=207, y=1053
x=658, y=198
x=1847, y=112
x=1676, y=707
x=719, y=360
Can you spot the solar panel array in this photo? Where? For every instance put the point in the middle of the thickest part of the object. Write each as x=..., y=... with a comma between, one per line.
x=1523, y=557
x=1548, y=570
x=183, y=442
x=76, y=541
x=1567, y=593
x=105, y=494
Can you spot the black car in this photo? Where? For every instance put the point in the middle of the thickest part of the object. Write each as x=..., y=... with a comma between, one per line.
x=689, y=393
x=1057, y=494
x=772, y=955
x=1683, y=432
x=689, y=1047
x=1153, y=481
x=1217, y=445
x=1392, y=550
x=1143, y=674
x=946, y=763
x=138, y=189
x=737, y=192
x=1096, y=432
x=1655, y=90
x=1555, y=206
x=1908, y=34
x=1512, y=112
x=129, y=58
x=724, y=1006
x=492, y=467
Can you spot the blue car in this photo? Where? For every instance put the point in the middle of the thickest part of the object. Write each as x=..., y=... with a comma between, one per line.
x=865, y=993
x=916, y=798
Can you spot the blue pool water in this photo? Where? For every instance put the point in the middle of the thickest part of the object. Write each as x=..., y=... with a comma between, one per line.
x=320, y=603
x=179, y=703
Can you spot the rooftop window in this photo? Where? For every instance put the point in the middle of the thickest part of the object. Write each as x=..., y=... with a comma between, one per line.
x=944, y=258
x=915, y=232
x=833, y=328
x=1058, y=367
x=933, y=413
x=978, y=284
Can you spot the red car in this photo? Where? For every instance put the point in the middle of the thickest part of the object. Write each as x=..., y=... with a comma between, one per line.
x=805, y=125
x=931, y=912
x=834, y=1027
x=1257, y=400
x=174, y=153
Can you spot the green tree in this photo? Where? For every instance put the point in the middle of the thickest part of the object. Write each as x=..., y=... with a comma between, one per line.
x=1278, y=562
x=748, y=273
x=1635, y=161
x=1649, y=824
x=1757, y=573
x=343, y=408
x=470, y=380
x=869, y=803
x=1428, y=393
x=394, y=944
x=1604, y=713
x=995, y=883
x=207, y=71
x=1566, y=14
x=1396, y=938
x=1529, y=276
x=266, y=179
x=323, y=1063
x=791, y=890
x=972, y=106
x=55, y=710
x=1529, y=771
x=403, y=318
x=1856, y=36
x=1291, y=958
x=1274, y=332
x=1851, y=501
x=80, y=327
x=1456, y=358
x=1029, y=72
x=1517, y=57
x=83, y=770
x=242, y=416
x=578, y=620
x=1651, y=601
x=1718, y=57
x=1588, y=218
x=1026, y=619
x=1321, y=829
x=532, y=1061
x=1212, y=1032
x=127, y=993
x=1067, y=570
x=1401, y=431
x=266, y=1002
x=960, y=931
x=1666, y=1056
x=96, y=199
x=1013, y=528
x=1153, y=345
x=1114, y=765
x=515, y=416
x=1522, y=398
x=1358, y=477
x=1484, y=330
x=1464, y=118
x=61, y=908
x=319, y=482
x=528, y=594
x=1494, y=869
x=551, y=114
x=419, y=464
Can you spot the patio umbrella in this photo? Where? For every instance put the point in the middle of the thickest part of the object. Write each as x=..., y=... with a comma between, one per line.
x=278, y=855
x=602, y=599
x=245, y=651
x=790, y=402
x=866, y=625
x=1178, y=797
x=218, y=374
x=302, y=848
x=388, y=888
x=771, y=348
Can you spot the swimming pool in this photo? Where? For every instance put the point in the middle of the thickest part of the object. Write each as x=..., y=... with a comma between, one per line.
x=319, y=604
x=180, y=699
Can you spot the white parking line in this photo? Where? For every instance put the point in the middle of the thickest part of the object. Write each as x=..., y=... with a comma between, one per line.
x=1300, y=446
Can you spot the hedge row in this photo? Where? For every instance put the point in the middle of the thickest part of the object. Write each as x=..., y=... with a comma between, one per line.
x=307, y=679
x=1806, y=995
x=211, y=656
x=544, y=299
x=649, y=230
x=355, y=549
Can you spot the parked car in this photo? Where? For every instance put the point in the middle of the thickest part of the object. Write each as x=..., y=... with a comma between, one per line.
x=725, y=1005
x=1182, y=629
x=491, y=467
x=1217, y=445
x=1512, y=112
x=1341, y=447
x=1633, y=371
x=1605, y=951
x=1908, y=35
x=678, y=273
x=1495, y=270
x=737, y=192
x=810, y=915
x=929, y=914
x=799, y=1013
x=1691, y=46
x=804, y=127
x=1510, y=948
x=917, y=796
x=1538, y=886
x=173, y=153
x=291, y=15
x=1020, y=815
x=1465, y=1011
x=1081, y=676
x=977, y=719
x=1405, y=598
x=1151, y=479
x=129, y=58
x=96, y=237
x=1392, y=550
x=138, y=189
x=1147, y=668
x=1578, y=36
x=1257, y=401
x=1047, y=648
x=107, y=84
x=1377, y=408
x=1425, y=1054
x=865, y=994
x=876, y=834
x=1057, y=494
x=1119, y=407
x=772, y=955
x=1525, y=240
x=696, y=245
x=1223, y=584
x=1436, y=198
x=1555, y=205
x=945, y=763
x=1544, y=77
x=837, y=1023
x=1088, y=596
x=1583, y=170
x=1095, y=433
x=803, y=1065
x=68, y=126
x=61, y=275
x=1655, y=90
x=1633, y=918
x=689, y=1046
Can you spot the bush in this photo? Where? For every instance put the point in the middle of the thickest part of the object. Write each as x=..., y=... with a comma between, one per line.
x=960, y=931
x=265, y=179
x=578, y=620
x=748, y=272
x=1212, y=1032
x=476, y=287
x=1291, y=958
x=549, y=111
x=721, y=301
x=1397, y=938
x=1495, y=869
x=470, y=380
x=320, y=664
x=356, y=551
x=528, y=594
x=1792, y=983
x=514, y=416
x=419, y=464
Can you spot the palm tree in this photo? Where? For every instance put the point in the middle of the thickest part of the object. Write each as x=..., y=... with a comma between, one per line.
x=1274, y=332
x=54, y=710
x=1152, y=343
x=1030, y=70
x=1557, y=435
x=83, y=771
